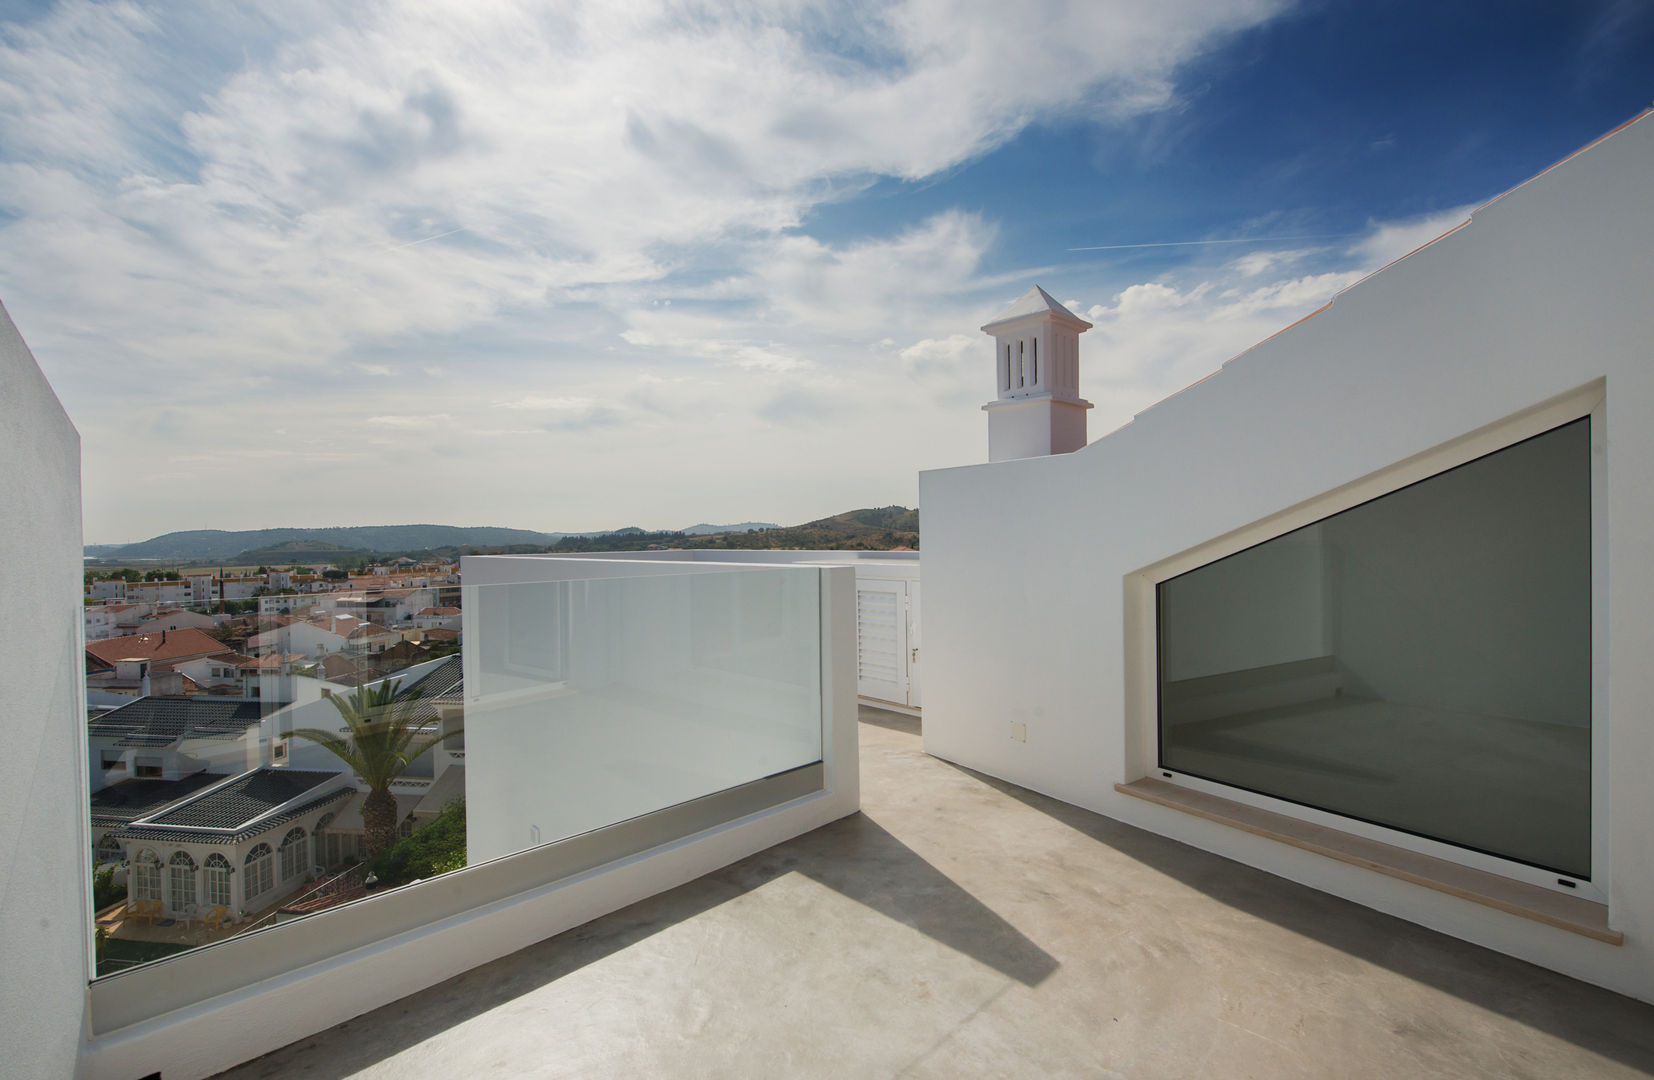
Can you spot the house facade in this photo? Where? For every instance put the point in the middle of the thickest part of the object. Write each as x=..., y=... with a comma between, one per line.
x=1369, y=608
x=242, y=845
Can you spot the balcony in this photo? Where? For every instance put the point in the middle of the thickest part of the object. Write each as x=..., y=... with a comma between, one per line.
x=962, y=926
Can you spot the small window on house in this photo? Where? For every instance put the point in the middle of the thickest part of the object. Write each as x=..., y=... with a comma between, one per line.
x=1020, y=373
x=147, y=767
x=1035, y=379
x=114, y=759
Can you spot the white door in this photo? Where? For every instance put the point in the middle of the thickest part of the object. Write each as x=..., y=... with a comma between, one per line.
x=913, y=644
x=881, y=640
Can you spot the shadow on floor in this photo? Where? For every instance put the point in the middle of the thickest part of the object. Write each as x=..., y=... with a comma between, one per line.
x=854, y=857
x=1587, y=1016
x=892, y=721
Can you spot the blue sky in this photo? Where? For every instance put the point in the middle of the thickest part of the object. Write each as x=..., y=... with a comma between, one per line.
x=587, y=265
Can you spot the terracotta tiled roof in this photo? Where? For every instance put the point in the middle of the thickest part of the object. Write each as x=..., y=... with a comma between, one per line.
x=441, y=635
x=440, y=612
x=159, y=645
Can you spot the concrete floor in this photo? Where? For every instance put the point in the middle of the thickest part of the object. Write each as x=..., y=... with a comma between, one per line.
x=961, y=926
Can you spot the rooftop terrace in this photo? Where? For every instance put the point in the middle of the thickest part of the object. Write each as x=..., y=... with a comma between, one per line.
x=961, y=926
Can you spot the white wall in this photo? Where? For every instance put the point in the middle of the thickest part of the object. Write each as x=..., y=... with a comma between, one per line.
x=45, y=904
x=1543, y=293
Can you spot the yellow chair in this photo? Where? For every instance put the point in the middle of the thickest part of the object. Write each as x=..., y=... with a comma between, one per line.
x=140, y=911
x=217, y=917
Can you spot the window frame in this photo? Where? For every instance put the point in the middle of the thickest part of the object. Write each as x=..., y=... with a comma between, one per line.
x=181, y=865
x=258, y=866
x=215, y=876
x=1142, y=637
x=146, y=875
x=293, y=849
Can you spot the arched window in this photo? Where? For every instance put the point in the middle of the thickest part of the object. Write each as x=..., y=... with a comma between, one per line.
x=181, y=880
x=109, y=848
x=260, y=867
x=293, y=851
x=216, y=871
x=146, y=876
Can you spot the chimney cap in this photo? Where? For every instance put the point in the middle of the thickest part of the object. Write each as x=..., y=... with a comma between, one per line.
x=1035, y=303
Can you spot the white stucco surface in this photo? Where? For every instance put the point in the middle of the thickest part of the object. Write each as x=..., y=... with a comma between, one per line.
x=1542, y=297
x=45, y=907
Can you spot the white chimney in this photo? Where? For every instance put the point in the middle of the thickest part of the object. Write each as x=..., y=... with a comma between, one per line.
x=1039, y=410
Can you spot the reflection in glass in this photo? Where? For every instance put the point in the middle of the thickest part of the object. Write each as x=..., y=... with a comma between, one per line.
x=597, y=701
x=1421, y=661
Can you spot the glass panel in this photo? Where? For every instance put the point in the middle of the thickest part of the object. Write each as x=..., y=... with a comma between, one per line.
x=1421, y=661
x=598, y=701
x=601, y=700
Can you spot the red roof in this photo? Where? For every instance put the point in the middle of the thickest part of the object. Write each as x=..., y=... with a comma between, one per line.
x=162, y=645
x=440, y=612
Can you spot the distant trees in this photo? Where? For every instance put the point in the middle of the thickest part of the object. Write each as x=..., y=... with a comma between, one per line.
x=331, y=574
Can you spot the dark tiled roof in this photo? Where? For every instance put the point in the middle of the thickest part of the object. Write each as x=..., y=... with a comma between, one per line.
x=160, y=721
x=243, y=808
x=446, y=682
x=130, y=799
x=447, y=679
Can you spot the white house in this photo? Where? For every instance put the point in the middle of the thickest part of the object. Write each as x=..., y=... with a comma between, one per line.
x=242, y=844
x=314, y=637
x=1371, y=607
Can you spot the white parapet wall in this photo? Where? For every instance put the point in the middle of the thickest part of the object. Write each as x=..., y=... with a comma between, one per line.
x=45, y=899
x=200, y=1012
x=1533, y=313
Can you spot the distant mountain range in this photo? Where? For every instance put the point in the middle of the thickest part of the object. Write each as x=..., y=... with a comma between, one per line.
x=300, y=545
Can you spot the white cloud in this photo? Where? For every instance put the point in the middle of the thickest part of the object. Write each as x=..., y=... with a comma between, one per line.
x=281, y=212
x=552, y=403
x=426, y=420
x=1390, y=241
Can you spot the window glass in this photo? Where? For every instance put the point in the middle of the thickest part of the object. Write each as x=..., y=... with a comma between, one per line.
x=1421, y=661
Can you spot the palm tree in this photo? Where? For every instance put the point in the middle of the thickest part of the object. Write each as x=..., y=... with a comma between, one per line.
x=386, y=736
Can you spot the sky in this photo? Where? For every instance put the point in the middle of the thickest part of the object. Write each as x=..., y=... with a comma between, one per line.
x=582, y=266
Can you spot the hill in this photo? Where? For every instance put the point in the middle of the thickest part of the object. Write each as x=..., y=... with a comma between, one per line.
x=877, y=528
x=208, y=544
x=704, y=529
x=874, y=529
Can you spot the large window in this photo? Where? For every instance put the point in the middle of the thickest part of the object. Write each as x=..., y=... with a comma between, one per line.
x=259, y=869
x=294, y=854
x=181, y=880
x=1421, y=661
x=216, y=871
x=146, y=876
